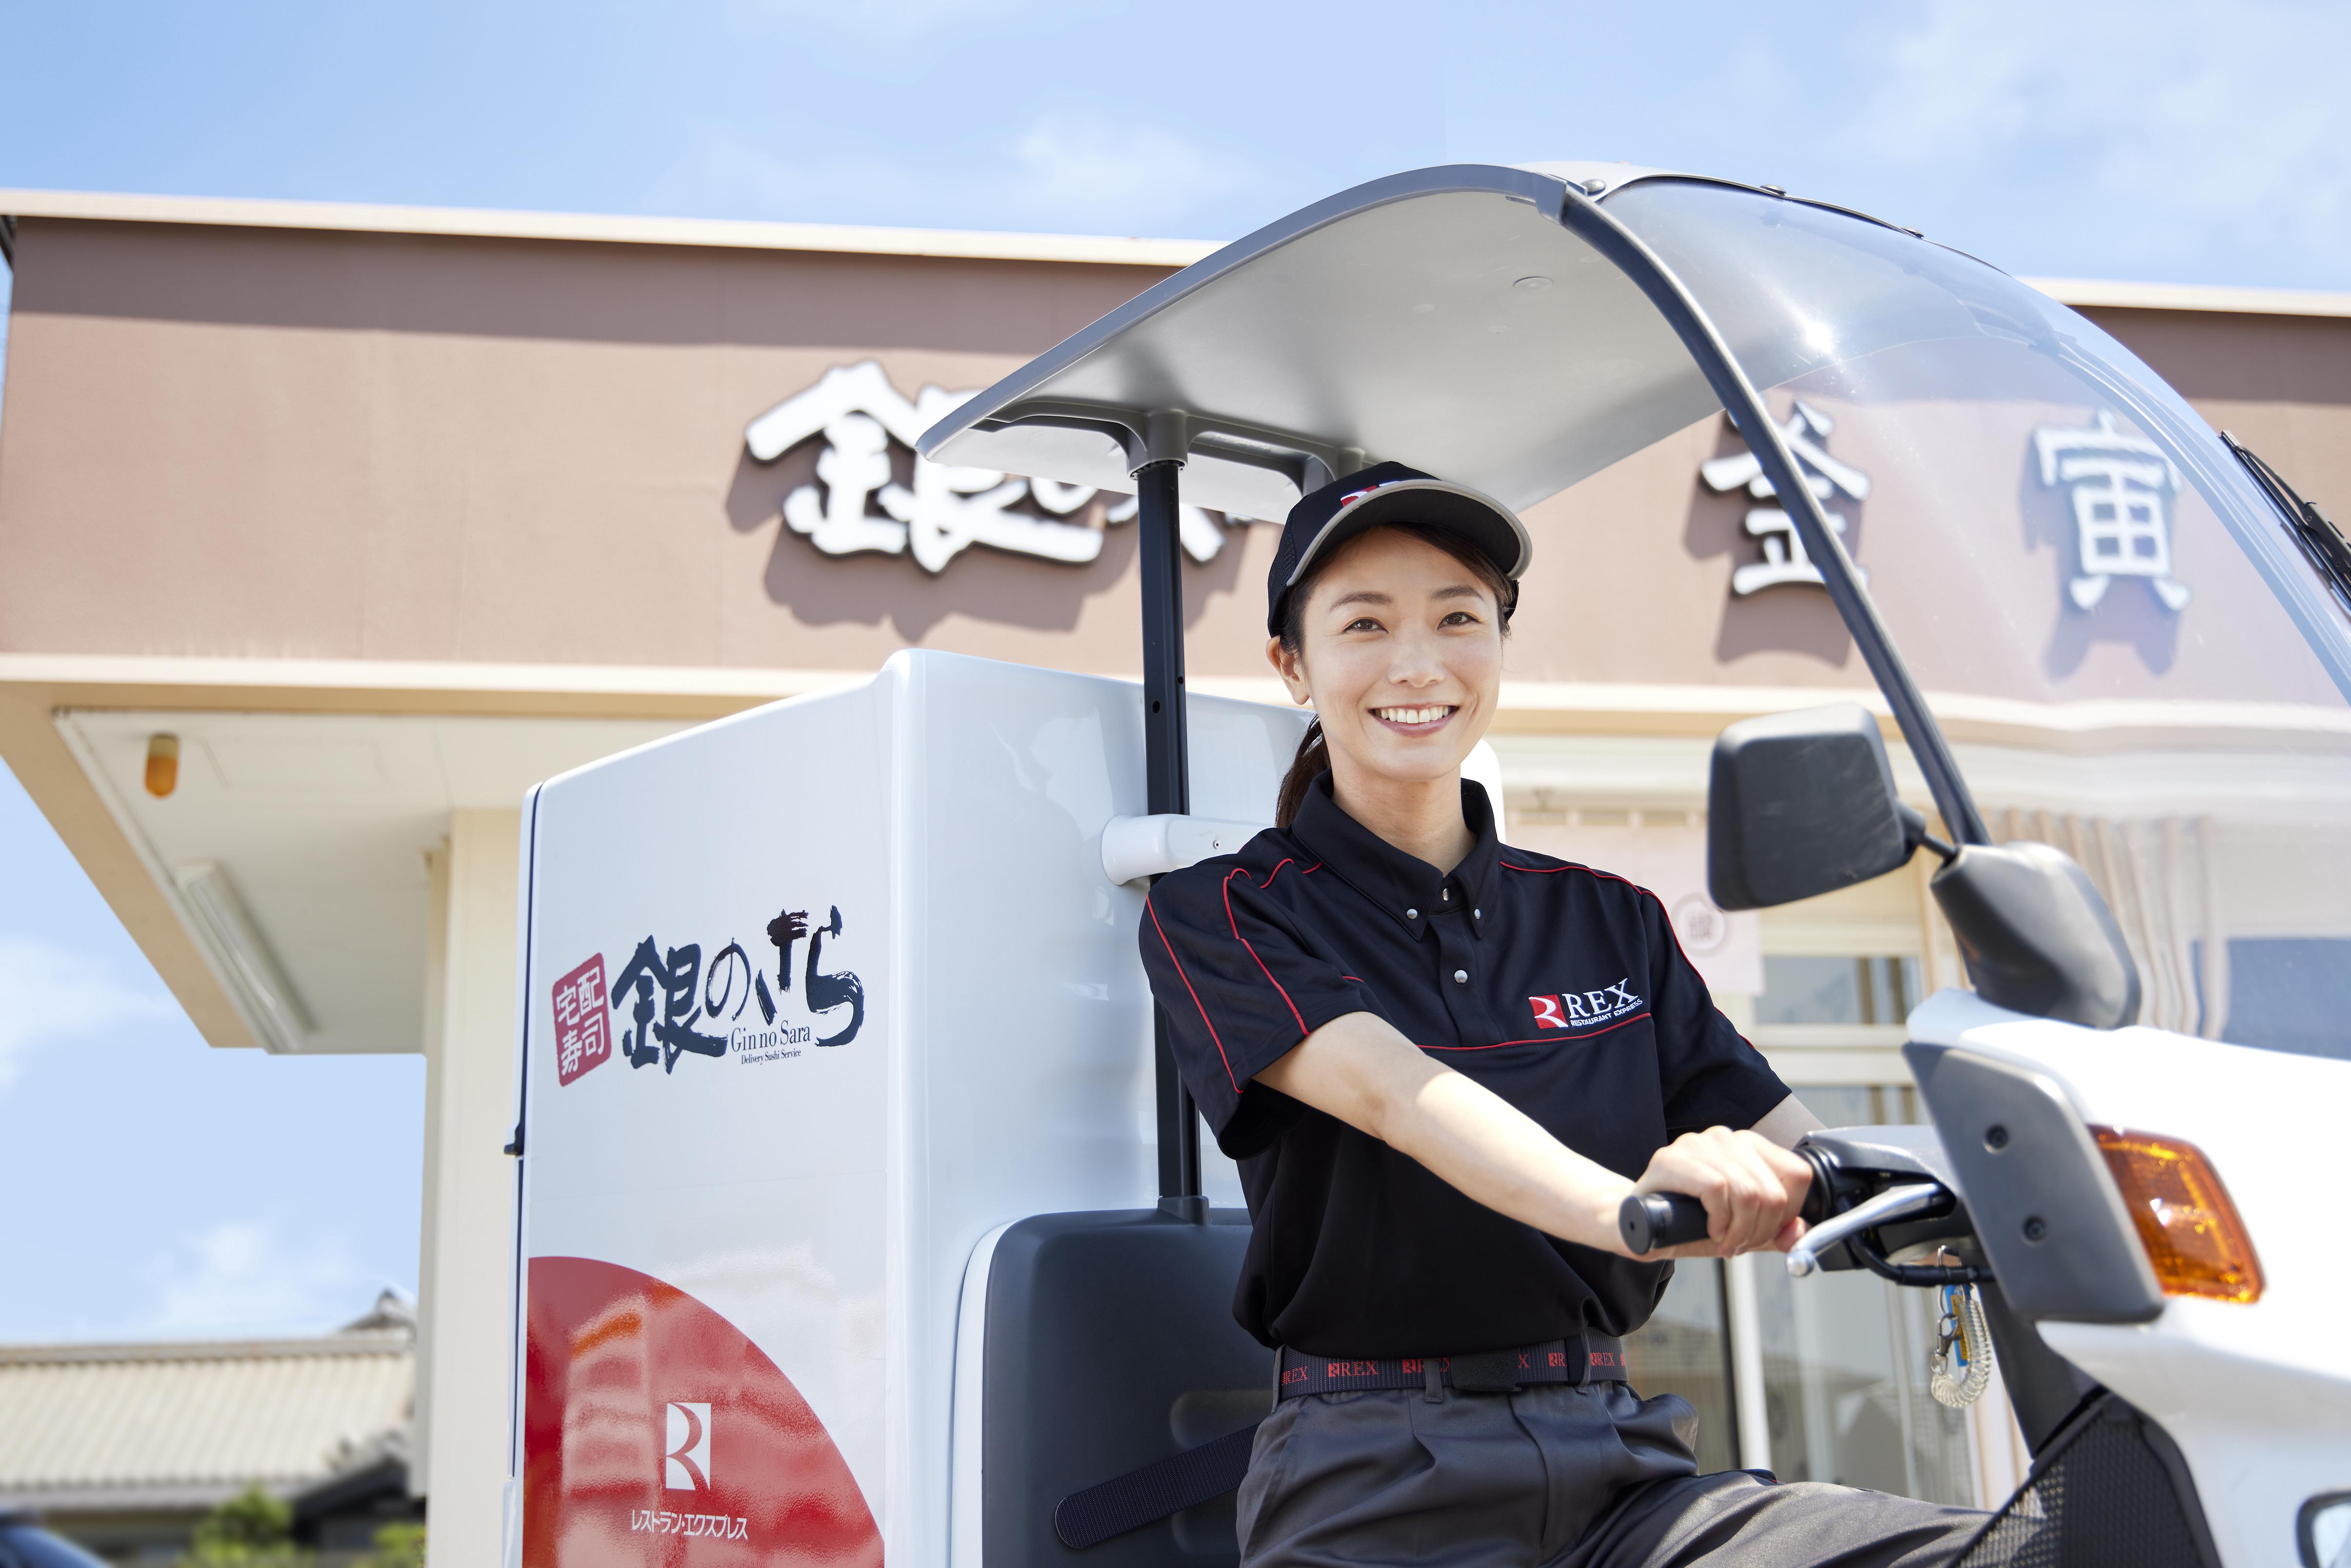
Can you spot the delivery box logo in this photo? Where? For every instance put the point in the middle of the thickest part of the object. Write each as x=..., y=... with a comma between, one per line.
x=673, y=1003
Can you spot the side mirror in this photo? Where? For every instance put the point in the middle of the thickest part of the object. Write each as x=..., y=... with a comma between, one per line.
x=1802, y=803
x=2037, y=937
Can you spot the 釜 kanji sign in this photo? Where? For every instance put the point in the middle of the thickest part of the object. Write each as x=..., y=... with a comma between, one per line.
x=1784, y=558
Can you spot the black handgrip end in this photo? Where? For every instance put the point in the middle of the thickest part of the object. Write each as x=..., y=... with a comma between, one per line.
x=1650, y=1220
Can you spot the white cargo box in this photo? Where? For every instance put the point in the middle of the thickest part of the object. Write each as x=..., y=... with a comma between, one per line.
x=814, y=998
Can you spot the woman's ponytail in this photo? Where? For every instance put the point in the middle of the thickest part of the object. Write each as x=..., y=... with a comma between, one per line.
x=1313, y=761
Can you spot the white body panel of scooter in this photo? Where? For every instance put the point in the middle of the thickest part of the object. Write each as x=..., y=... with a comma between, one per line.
x=2258, y=1395
x=740, y=1261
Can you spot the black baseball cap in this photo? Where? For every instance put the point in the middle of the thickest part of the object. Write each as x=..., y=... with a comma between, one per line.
x=1390, y=492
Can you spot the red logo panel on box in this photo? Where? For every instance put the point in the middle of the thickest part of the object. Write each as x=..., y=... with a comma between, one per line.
x=656, y=1434
x=583, y=1038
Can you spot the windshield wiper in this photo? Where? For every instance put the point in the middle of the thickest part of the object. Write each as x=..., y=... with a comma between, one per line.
x=2320, y=539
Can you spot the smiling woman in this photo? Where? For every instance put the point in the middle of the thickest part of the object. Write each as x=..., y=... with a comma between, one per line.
x=1441, y=1063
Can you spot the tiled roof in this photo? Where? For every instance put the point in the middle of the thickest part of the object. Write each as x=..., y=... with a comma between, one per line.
x=189, y=1424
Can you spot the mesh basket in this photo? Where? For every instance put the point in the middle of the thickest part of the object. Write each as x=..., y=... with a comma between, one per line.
x=2100, y=1496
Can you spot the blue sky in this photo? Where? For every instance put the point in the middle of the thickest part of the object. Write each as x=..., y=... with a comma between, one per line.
x=184, y=1190
x=159, y=1186
x=2157, y=139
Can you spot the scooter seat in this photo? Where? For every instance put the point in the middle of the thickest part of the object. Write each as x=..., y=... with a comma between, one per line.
x=1110, y=1344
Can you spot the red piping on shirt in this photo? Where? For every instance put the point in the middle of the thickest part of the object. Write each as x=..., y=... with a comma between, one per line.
x=1305, y=871
x=1242, y=871
x=1542, y=1040
x=1612, y=876
x=1636, y=887
x=1188, y=985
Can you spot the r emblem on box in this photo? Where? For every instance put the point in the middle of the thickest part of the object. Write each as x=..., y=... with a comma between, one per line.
x=687, y=1465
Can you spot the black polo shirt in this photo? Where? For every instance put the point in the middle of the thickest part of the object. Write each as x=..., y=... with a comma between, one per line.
x=1560, y=987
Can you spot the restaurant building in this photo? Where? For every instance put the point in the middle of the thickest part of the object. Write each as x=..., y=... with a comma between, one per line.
x=327, y=530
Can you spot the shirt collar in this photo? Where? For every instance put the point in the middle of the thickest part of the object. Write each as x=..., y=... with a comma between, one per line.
x=1408, y=888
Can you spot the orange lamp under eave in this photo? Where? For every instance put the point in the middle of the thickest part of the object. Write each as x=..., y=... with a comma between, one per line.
x=162, y=765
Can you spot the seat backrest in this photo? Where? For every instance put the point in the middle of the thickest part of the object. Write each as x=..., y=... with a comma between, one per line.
x=1111, y=1345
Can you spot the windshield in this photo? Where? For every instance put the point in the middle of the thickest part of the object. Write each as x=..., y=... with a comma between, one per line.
x=2129, y=653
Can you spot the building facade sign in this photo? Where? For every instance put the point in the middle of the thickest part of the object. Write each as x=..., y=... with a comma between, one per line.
x=858, y=505
x=2118, y=485
x=1784, y=559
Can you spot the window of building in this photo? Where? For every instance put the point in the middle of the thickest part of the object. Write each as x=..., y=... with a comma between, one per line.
x=1873, y=989
x=1844, y=1359
x=2285, y=993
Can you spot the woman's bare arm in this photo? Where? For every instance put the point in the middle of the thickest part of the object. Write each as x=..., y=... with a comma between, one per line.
x=1360, y=1070
x=1787, y=1122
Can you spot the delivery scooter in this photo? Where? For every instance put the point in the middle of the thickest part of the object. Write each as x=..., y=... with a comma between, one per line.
x=850, y=1183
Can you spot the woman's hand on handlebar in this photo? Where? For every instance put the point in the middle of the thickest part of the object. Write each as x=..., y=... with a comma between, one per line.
x=1751, y=1188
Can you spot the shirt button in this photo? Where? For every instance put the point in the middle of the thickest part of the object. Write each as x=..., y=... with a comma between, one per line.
x=1460, y=977
x=1448, y=896
x=1412, y=915
x=1476, y=914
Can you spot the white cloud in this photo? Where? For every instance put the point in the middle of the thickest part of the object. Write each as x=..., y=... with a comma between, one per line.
x=49, y=993
x=891, y=21
x=1077, y=164
x=241, y=1278
x=2174, y=121
x=788, y=179
x=1078, y=173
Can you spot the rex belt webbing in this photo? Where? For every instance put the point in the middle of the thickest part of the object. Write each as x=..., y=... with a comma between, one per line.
x=1195, y=1476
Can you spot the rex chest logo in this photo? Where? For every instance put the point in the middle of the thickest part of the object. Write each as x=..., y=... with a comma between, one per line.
x=1583, y=1009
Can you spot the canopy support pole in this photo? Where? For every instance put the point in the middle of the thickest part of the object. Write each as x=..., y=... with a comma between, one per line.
x=1167, y=789
x=1583, y=218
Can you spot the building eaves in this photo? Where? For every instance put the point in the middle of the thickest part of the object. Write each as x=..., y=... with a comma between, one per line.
x=485, y=224
x=2216, y=298
x=968, y=243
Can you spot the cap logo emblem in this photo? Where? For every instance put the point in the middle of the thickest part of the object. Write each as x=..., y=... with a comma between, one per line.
x=1351, y=496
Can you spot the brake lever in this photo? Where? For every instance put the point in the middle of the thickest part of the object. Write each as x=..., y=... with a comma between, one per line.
x=1893, y=1204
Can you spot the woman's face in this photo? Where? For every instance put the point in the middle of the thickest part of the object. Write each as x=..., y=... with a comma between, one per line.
x=1402, y=658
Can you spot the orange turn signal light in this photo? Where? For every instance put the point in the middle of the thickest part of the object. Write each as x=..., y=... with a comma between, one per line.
x=2190, y=1230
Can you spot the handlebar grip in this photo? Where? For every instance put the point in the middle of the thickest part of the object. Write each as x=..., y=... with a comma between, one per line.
x=1650, y=1220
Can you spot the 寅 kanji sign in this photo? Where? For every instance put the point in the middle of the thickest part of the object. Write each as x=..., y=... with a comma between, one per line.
x=2118, y=485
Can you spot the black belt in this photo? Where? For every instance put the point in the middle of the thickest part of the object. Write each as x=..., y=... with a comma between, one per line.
x=1087, y=1518
x=1587, y=1358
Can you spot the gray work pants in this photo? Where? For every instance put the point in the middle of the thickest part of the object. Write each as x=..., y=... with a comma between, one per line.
x=1549, y=1477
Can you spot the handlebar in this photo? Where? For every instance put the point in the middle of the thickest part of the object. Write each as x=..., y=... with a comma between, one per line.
x=1893, y=1203
x=1655, y=1219
x=1651, y=1220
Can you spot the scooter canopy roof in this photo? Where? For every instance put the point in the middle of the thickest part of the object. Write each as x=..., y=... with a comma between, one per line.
x=1442, y=318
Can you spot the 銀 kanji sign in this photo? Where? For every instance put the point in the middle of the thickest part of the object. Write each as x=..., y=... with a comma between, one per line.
x=857, y=503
